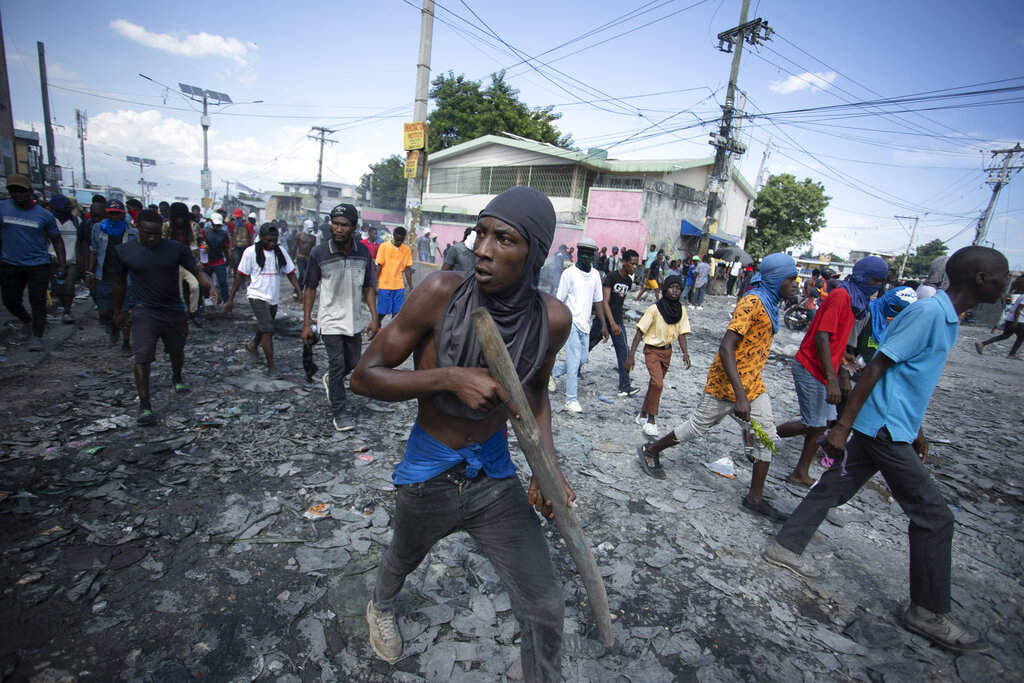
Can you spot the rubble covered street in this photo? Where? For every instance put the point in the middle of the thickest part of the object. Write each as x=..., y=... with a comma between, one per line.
x=192, y=550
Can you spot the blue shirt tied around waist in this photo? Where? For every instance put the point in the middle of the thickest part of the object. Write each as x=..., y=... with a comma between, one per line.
x=426, y=457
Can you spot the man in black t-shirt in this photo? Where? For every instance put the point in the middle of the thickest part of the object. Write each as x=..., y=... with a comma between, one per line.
x=616, y=286
x=157, y=309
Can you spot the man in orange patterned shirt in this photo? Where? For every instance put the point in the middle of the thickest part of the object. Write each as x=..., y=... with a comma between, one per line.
x=734, y=383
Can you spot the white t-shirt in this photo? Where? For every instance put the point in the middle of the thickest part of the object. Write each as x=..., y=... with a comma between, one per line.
x=1010, y=308
x=735, y=270
x=264, y=283
x=580, y=291
x=69, y=234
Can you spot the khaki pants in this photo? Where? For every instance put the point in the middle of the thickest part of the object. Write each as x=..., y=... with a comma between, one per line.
x=185, y=277
x=657, y=361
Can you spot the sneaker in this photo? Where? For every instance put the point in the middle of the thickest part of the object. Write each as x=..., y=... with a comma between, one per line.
x=765, y=509
x=145, y=417
x=573, y=407
x=385, y=638
x=980, y=348
x=629, y=392
x=327, y=385
x=181, y=387
x=195, y=320
x=782, y=557
x=942, y=629
x=650, y=464
x=67, y=319
x=640, y=420
x=36, y=344
x=551, y=384
x=341, y=424
x=700, y=308
x=650, y=429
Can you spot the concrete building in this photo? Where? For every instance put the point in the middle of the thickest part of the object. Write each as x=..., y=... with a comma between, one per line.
x=330, y=193
x=29, y=156
x=614, y=202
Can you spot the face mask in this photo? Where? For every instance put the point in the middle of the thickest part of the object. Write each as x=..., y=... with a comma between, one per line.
x=585, y=260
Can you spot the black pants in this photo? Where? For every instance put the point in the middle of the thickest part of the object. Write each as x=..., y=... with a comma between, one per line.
x=1009, y=330
x=495, y=513
x=731, y=284
x=13, y=280
x=343, y=352
x=931, y=522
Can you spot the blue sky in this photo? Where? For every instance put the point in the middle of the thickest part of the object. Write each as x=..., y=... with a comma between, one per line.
x=351, y=66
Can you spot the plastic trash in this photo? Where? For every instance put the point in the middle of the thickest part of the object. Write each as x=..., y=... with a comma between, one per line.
x=723, y=466
x=606, y=400
x=317, y=511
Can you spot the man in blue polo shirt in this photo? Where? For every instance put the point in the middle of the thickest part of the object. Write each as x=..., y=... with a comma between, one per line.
x=885, y=412
x=24, y=230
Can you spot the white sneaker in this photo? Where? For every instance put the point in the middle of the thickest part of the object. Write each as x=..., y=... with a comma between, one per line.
x=700, y=308
x=573, y=407
x=385, y=638
x=640, y=419
x=650, y=429
x=551, y=384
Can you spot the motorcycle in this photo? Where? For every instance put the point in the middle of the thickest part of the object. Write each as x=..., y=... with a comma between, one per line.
x=797, y=316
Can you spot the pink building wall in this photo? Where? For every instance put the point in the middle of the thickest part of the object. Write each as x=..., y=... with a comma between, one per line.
x=614, y=219
x=383, y=216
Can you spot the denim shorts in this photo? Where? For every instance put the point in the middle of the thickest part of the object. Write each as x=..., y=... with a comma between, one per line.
x=265, y=313
x=815, y=411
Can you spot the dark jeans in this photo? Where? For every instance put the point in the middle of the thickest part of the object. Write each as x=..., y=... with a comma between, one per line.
x=494, y=512
x=931, y=522
x=220, y=274
x=13, y=280
x=621, y=353
x=343, y=352
x=1009, y=330
x=731, y=284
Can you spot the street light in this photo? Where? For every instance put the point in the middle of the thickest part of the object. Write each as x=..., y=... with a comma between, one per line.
x=142, y=164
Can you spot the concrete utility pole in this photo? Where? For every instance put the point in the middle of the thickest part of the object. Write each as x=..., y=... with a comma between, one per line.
x=142, y=164
x=757, y=185
x=322, y=133
x=910, y=244
x=752, y=32
x=997, y=181
x=414, y=186
x=205, y=96
x=49, y=174
x=81, y=119
x=8, y=163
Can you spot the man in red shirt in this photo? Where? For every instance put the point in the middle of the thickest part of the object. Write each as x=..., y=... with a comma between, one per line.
x=820, y=382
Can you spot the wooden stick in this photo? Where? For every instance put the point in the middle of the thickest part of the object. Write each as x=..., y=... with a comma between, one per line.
x=541, y=463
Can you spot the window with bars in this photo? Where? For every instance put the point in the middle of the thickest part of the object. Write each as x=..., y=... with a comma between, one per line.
x=553, y=180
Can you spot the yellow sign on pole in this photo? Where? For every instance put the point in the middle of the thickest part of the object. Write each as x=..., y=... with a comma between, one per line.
x=412, y=162
x=415, y=135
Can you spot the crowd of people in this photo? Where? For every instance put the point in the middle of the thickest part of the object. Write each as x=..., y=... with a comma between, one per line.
x=867, y=366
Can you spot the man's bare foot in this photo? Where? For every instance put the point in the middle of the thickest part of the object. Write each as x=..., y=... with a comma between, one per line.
x=803, y=480
x=250, y=346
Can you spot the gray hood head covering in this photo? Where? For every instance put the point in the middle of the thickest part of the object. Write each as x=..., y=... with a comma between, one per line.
x=519, y=313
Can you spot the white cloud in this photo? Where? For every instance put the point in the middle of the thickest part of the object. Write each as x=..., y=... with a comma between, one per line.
x=189, y=44
x=814, y=81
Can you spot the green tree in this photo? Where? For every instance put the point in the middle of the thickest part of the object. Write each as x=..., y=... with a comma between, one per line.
x=788, y=212
x=464, y=110
x=923, y=257
x=388, y=183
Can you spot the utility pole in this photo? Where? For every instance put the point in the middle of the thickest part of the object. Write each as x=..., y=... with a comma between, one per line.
x=752, y=32
x=8, y=162
x=227, y=189
x=757, y=185
x=414, y=185
x=910, y=244
x=81, y=118
x=997, y=181
x=142, y=164
x=49, y=174
x=197, y=94
x=322, y=137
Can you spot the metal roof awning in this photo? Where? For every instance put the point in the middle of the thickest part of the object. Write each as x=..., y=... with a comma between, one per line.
x=726, y=238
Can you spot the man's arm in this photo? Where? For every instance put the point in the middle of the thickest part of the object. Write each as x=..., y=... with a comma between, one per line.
x=117, y=288
x=727, y=353
x=628, y=365
x=295, y=283
x=235, y=284
x=613, y=327
x=598, y=307
x=370, y=297
x=682, y=347
x=835, y=444
x=821, y=345
x=308, y=297
x=58, y=246
x=407, y=276
x=376, y=375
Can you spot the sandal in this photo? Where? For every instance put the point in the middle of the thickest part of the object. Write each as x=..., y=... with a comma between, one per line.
x=652, y=468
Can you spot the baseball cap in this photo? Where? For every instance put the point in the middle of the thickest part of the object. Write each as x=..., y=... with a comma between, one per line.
x=586, y=243
x=216, y=218
x=237, y=213
x=18, y=180
x=115, y=205
x=252, y=215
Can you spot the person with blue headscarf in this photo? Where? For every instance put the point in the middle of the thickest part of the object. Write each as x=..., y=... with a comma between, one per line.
x=734, y=385
x=883, y=310
x=820, y=380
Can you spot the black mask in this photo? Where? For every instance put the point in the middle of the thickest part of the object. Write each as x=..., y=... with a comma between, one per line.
x=585, y=260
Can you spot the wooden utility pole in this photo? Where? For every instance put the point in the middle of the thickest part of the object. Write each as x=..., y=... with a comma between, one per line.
x=414, y=186
x=49, y=174
x=321, y=136
x=997, y=181
x=752, y=32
